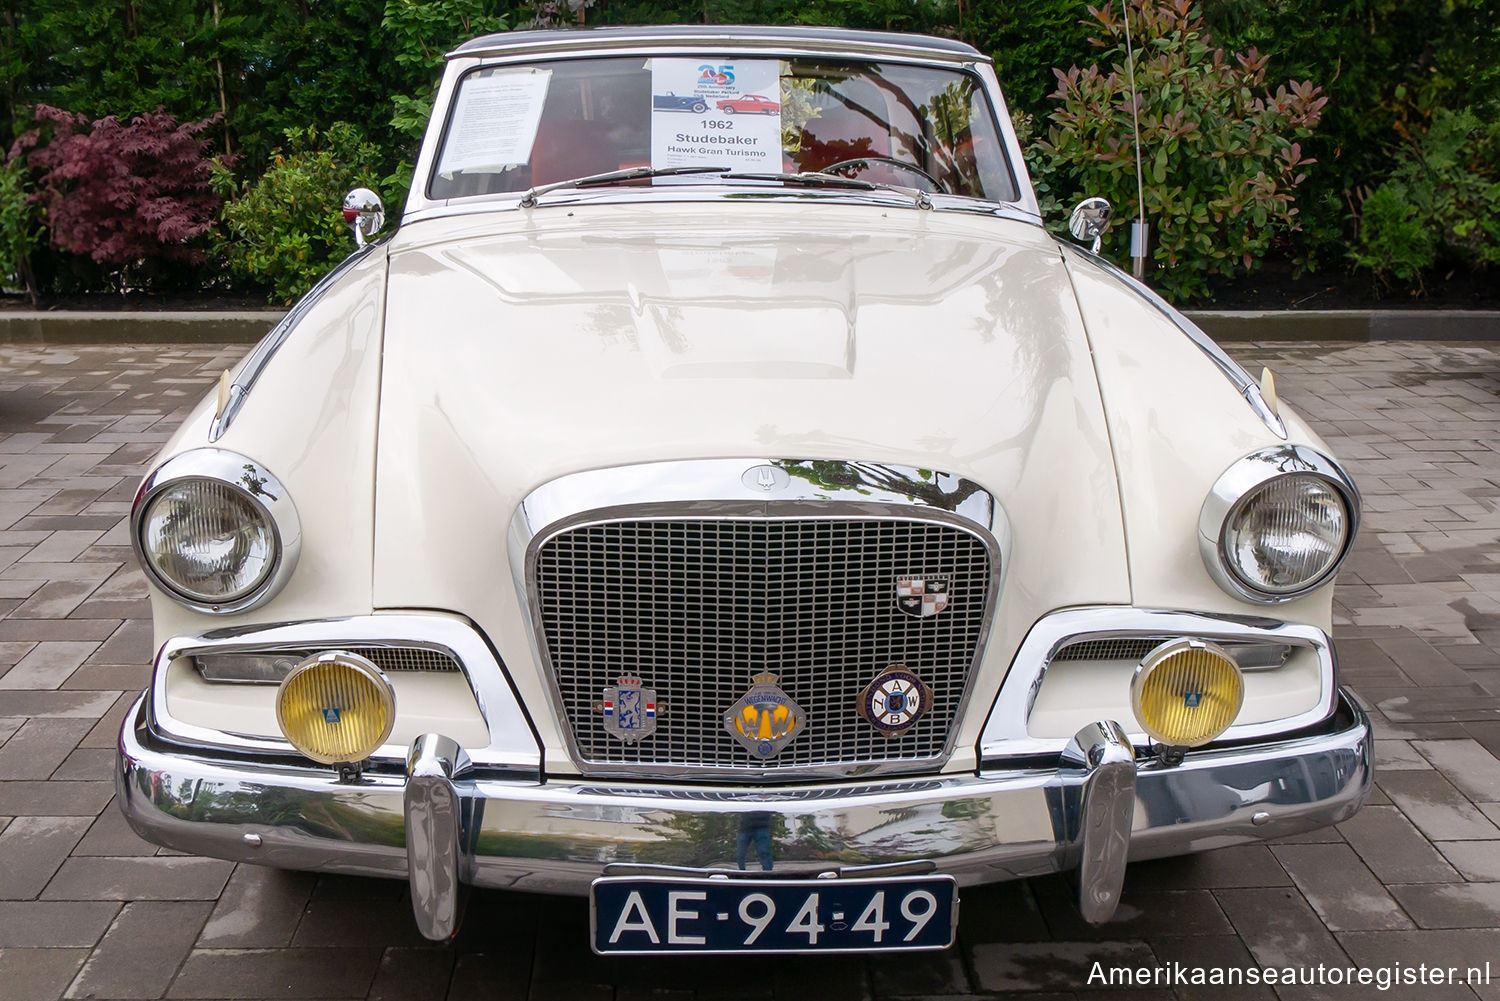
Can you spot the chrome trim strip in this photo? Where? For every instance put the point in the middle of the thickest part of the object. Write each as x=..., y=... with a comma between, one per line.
x=657, y=39
x=1246, y=386
x=261, y=355
x=1005, y=731
x=253, y=481
x=513, y=745
x=716, y=488
x=1245, y=475
x=556, y=837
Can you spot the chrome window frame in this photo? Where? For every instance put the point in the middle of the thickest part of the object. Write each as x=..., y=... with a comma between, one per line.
x=832, y=45
x=513, y=743
x=712, y=489
x=1006, y=733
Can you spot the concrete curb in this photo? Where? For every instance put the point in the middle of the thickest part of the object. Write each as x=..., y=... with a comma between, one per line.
x=248, y=326
x=136, y=326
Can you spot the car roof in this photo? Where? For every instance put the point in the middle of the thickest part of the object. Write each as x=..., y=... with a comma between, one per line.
x=755, y=36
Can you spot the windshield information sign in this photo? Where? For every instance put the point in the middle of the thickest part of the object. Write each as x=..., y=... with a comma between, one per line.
x=713, y=113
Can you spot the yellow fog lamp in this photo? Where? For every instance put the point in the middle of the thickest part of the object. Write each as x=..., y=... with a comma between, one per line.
x=1186, y=692
x=336, y=708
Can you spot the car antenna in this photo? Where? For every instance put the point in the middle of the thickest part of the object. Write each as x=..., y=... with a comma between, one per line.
x=1139, y=231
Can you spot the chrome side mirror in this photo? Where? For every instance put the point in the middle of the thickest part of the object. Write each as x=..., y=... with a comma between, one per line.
x=364, y=214
x=1089, y=220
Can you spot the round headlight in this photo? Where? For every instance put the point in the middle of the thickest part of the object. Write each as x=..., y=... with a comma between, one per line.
x=207, y=540
x=336, y=708
x=1278, y=523
x=1287, y=534
x=1187, y=692
x=215, y=530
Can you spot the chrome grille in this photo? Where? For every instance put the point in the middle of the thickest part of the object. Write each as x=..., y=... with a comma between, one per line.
x=697, y=607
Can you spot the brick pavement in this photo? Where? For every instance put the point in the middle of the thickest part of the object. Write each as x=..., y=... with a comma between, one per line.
x=88, y=910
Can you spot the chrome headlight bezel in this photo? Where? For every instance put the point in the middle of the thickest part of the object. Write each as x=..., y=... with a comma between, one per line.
x=1238, y=484
x=235, y=471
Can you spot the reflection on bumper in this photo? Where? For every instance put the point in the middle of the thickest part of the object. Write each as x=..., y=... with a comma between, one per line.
x=557, y=836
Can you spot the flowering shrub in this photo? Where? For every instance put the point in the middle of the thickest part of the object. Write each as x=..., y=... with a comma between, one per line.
x=1441, y=201
x=17, y=229
x=287, y=228
x=121, y=195
x=1221, y=151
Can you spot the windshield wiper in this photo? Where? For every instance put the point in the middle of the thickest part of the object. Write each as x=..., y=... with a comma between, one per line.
x=528, y=200
x=816, y=180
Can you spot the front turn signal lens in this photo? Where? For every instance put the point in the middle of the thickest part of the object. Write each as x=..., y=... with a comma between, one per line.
x=336, y=708
x=1186, y=692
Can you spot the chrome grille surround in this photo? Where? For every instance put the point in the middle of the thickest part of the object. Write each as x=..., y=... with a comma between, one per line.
x=697, y=594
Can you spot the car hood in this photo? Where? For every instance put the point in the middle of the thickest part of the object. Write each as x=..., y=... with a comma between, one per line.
x=522, y=346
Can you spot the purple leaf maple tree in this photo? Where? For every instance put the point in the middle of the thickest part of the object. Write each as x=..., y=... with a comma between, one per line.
x=121, y=193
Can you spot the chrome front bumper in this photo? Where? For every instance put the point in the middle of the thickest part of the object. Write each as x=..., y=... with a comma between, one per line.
x=1090, y=810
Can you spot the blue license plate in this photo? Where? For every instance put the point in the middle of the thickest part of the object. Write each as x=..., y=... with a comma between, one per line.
x=638, y=915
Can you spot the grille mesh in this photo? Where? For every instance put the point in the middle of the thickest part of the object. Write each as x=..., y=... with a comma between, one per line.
x=696, y=608
x=406, y=658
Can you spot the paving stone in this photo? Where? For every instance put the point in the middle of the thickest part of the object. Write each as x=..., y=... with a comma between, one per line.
x=106, y=732
x=80, y=705
x=1397, y=755
x=1142, y=913
x=1459, y=950
x=938, y=974
x=259, y=908
x=1451, y=905
x=54, y=799
x=1345, y=894
x=1466, y=764
x=54, y=924
x=141, y=952
x=1032, y=966
x=1002, y=912
x=344, y=921
x=1476, y=860
x=110, y=835
x=1241, y=865
x=87, y=763
x=32, y=849
x=1393, y=849
x=1440, y=811
x=38, y=748
x=1280, y=928
x=495, y=976
x=413, y=975
x=47, y=666
x=154, y=878
x=33, y=974
x=277, y=973
x=1211, y=953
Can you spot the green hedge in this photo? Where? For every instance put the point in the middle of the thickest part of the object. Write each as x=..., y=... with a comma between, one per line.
x=1400, y=171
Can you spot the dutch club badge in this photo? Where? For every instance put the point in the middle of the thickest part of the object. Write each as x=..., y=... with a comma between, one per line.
x=630, y=710
x=894, y=701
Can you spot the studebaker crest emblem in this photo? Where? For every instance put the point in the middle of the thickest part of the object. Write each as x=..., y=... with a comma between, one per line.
x=921, y=596
x=765, y=719
x=894, y=701
x=630, y=710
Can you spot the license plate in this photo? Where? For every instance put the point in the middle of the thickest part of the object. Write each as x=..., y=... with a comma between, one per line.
x=637, y=915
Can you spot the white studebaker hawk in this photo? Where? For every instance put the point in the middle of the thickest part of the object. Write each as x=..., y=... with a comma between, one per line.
x=721, y=497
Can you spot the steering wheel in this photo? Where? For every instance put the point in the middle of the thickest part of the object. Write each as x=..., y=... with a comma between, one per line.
x=888, y=162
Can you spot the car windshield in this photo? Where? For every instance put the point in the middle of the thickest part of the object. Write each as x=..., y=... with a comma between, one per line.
x=517, y=127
